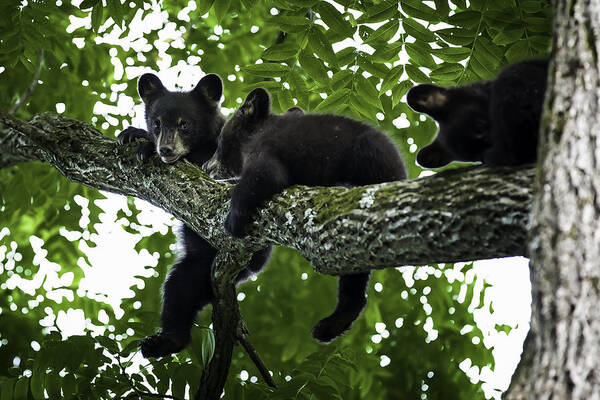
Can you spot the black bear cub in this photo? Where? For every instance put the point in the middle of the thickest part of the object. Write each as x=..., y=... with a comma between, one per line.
x=495, y=122
x=272, y=152
x=183, y=125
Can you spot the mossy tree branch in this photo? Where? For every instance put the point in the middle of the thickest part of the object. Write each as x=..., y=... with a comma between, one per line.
x=459, y=215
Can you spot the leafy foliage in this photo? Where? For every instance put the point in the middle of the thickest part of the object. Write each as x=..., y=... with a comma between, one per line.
x=354, y=57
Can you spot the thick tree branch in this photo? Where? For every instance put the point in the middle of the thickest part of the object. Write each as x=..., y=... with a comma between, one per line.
x=459, y=215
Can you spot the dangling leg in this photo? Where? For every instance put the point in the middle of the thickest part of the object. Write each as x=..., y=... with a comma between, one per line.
x=186, y=290
x=261, y=179
x=351, y=300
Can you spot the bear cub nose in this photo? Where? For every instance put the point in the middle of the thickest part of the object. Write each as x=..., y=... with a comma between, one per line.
x=165, y=151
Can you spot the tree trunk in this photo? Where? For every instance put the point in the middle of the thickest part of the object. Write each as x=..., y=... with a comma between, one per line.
x=562, y=353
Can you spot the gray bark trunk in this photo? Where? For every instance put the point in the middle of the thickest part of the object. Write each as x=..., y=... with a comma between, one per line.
x=459, y=215
x=562, y=353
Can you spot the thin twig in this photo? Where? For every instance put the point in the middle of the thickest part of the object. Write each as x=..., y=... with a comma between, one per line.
x=242, y=337
x=34, y=82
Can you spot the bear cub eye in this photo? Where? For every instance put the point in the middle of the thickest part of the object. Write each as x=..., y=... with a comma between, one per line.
x=183, y=124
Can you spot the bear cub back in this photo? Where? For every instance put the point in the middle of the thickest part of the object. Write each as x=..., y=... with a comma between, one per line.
x=272, y=152
x=495, y=122
x=314, y=149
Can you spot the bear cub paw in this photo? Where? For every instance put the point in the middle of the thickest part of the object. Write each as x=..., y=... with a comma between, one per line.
x=329, y=328
x=130, y=134
x=162, y=344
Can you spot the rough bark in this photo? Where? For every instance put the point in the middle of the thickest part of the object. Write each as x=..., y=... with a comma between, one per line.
x=458, y=215
x=562, y=353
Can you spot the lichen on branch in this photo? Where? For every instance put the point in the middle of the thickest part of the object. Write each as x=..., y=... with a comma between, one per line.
x=457, y=215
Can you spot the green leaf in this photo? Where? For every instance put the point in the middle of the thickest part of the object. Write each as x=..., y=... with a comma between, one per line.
x=421, y=53
x=503, y=328
x=52, y=385
x=221, y=7
x=298, y=86
x=540, y=43
x=204, y=5
x=416, y=74
x=332, y=101
x=21, y=389
x=388, y=53
x=417, y=30
x=465, y=19
x=538, y=24
x=418, y=9
x=323, y=390
x=377, y=69
x=392, y=78
x=108, y=344
x=335, y=20
x=452, y=54
x=208, y=346
x=6, y=390
x=69, y=385
x=442, y=7
x=346, y=56
x=131, y=346
x=97, y=12
x=505, y=37
x=341, y=78
x=280, y=52
x=488, y=54
x=37, y=384
x=266, y=70
x=290, y=24
x=313, y=67
x=447, y=72
x=530, y=6
x=178, y=382
x=115, y=11
x=304, y=3
x=456, y=36
x=501, y=19
x=518, y=51
x=85, y=4
x=382, y=11
x=367, y=91
x=321, y=46
x=384, y=32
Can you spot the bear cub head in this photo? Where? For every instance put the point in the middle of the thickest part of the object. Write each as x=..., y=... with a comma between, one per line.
x=238, y=132
x=462, y=114
x=182, y=124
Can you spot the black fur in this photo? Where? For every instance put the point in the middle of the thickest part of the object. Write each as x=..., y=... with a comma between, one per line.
x=495, y=122
x=272, y=152
x=183, y=125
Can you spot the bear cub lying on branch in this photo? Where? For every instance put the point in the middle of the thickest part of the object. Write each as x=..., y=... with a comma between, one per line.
x=495, y=122
x=272, y=152
x=183, y=124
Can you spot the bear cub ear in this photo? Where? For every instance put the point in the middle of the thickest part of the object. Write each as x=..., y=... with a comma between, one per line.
x=428, y=99
x=210, y=88
x=257, y=105
x=150, y=87
x=295, y=111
